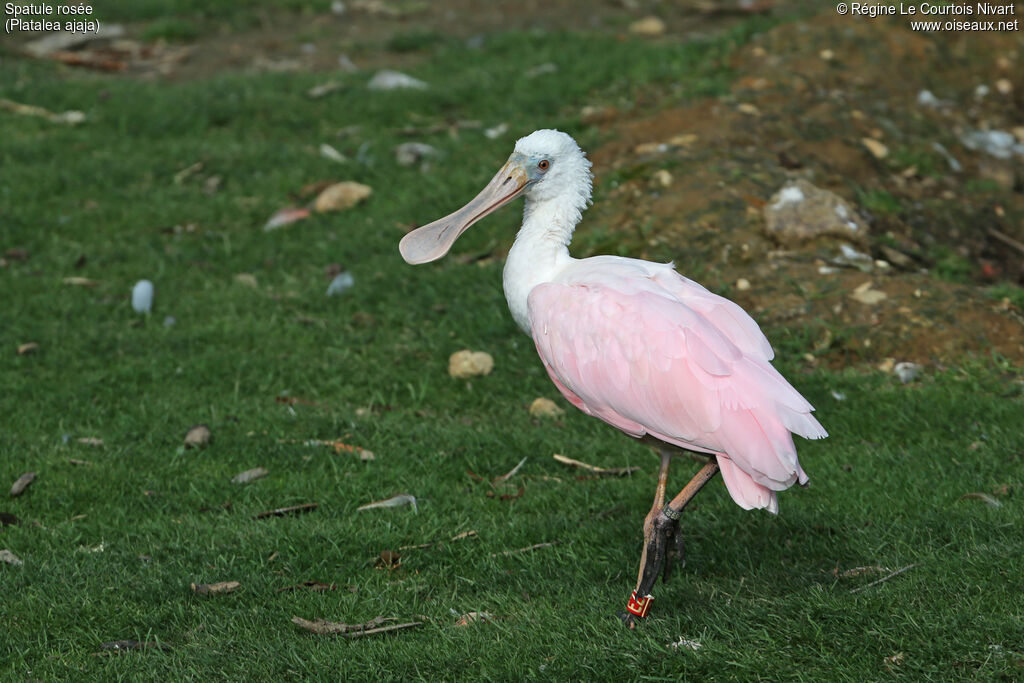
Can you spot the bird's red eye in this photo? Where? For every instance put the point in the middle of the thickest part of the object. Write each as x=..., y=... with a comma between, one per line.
x=544, y=165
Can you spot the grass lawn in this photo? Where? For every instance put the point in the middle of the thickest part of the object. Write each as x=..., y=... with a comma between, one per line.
x=110, y=548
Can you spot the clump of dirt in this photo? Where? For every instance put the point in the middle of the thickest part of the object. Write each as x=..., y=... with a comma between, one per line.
x=841, y=104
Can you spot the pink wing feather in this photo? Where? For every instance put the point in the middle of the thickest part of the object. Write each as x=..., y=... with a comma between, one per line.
x=651, y=352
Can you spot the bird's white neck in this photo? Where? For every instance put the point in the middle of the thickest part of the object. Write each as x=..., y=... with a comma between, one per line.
x=540, y=251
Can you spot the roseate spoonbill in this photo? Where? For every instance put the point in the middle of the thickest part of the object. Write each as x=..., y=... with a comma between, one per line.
x=637, y=345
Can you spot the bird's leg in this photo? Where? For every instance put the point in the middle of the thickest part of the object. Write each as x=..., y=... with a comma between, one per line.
x=662, y=523
x=637, y=606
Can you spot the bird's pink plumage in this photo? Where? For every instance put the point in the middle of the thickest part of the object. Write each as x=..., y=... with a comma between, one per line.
x=651, y=352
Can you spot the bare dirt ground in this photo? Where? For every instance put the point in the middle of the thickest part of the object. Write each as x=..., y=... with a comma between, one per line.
x=837, y=101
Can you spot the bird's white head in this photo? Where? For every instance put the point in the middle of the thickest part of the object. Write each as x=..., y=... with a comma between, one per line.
x=547, y=166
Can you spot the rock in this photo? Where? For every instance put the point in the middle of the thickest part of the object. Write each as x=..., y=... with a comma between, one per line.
x=1004, y=86
x=748, y=109
x=648, y=26
x=249, y=475
x=866, y=295
x=1018, y=132
x=341, y=283
x=907, y=372
x=827, y=55
x=395, y=80
x=877, y=149
x=800, y=212
x=848, y=256
x=662, y=178
x=342, y=196
x=198, y=436
x=925, y=98
x=142, y=296
x=496, y=132
x=7, y=557
x=466, y=363
x=409, y=153
x=997, y=143
x=545, y=407
x=743, y=284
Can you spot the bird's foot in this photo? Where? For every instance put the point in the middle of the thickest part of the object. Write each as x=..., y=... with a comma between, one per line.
x=665, y=548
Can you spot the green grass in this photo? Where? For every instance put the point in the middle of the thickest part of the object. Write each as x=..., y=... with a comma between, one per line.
x=759, y=592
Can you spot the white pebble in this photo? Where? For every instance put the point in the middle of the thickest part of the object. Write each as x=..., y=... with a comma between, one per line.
x=142, y=296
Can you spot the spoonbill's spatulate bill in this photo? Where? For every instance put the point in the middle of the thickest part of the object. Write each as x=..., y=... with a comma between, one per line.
x=637, y=345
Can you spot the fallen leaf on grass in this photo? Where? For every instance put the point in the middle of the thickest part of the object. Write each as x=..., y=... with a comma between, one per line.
x=612, y=471
x=983, y=497
x=388, y=559
x=330, y=152
x=545, y=407
x=466, y=363
x=314, y=586
x=91, y=441
x=473, y=617
x=187, y=172
x=324, y=627
x=508, y=475
x=293, y=510
x=131, y=645
x=7, y=557
x=79, y=281
x=198, y=436
x=21, y=483
x=27, y=348
x=70, y=117
x=324, y=89
x=250, y=475
x=215, y=588
x=392, y=502
x=508, y=496
x=341, y=196
x=684, y=644
x=7, y=519
x=285, y=216
x=340, y=446
x=895, y=660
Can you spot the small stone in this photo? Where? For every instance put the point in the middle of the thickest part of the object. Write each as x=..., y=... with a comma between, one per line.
x=1018, y=132
x=887, y=365
x=7, y=557
x=866, y=295
x=341, y=283
x=466, y=363
x=877, y=149
x=748, y=109
x=662, y=178
x=250, y=475
x=906, y=371
x=545, y=407
x=409, y=153
x=142, y=296
x=1004, y=86
x=801, y=212
x=198, y=436
x=827, y=55
x=648, y=26
x=395, y=80
x=743, y=284
x=342, y=196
